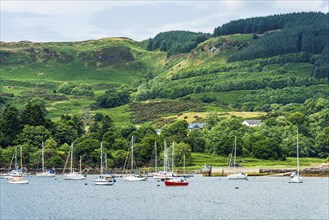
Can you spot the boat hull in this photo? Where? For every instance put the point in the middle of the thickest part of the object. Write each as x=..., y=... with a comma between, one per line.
x=133, y=178
x=18, y=180
x=237, y=176
x=45, y=174
x=173, y=183
x=103, y=183
x=296, y=179
x=74, y=176
x=163, y=177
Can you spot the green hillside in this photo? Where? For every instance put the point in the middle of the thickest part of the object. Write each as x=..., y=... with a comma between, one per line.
x=272, y=68
x=37, y=70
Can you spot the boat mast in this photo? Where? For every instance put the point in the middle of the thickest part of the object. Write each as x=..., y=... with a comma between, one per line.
x=43, y=158
x=297, y=154
x=16, y=165
x=132, y=154
x=71, y=157
x=184, y=164
x=172, y=156
x=165, y=157
x=102, y=158
x=234, y=153
x=155, y=157
x=21, y=160
x=80, y=164
x=105, y=162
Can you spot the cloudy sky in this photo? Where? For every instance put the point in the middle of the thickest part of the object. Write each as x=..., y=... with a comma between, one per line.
x=65, y=20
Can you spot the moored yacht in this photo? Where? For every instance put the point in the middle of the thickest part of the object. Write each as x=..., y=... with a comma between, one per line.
x=295, y=177
x=132, y=176
x=19, y=179
x=235, y=175
x=45, y=173
x=103, y=179
x=73, y=175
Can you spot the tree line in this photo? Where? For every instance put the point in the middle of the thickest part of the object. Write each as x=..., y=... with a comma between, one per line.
x=303, y=32
x=274, y=139
x=284, y=34
x=174, y=42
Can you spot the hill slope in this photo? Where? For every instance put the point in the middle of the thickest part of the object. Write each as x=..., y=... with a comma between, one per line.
x=211, y=73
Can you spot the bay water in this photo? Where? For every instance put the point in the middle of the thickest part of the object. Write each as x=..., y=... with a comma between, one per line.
x=205, y=198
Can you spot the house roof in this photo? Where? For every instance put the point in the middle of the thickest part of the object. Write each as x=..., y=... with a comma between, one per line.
x=257, y=121
x=195, y=125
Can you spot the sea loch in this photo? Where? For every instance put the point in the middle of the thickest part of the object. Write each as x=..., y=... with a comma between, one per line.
x=204, y=198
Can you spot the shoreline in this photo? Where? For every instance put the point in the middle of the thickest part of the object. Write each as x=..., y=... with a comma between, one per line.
x=318, y=171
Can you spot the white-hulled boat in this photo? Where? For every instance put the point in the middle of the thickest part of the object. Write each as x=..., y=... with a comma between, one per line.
x=134, y=177
x=131, y=176
x=295, y=177
x=19, y=179
x=165, y=174
x=45, y=173
x=73, y=175
x=235, y=175
x=16, y=172
x=104, y=180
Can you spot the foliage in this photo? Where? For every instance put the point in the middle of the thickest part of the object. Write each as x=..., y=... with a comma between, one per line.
x=174, y=42
x=176, y=131
x=113, y=99
x=299, y=32
x=143, y=112
x=71, y=89
x=10, y=125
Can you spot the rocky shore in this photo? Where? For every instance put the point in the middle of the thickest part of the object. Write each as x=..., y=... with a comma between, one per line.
x=320, y=171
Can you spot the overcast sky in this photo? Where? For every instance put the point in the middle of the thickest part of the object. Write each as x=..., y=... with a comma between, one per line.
x=65, y=20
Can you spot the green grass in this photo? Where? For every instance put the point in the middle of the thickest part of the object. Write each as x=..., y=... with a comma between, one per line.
x=120, y=115
x=200, y=159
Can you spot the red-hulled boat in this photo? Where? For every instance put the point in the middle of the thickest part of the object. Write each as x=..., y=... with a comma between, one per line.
x=176, y=182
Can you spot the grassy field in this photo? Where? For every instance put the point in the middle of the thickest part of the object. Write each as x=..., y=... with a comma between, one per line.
x=200, y=159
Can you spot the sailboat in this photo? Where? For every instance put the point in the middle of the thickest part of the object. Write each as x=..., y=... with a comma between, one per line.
x=45, y=173
x=103, y=179
x=165, y=174
x=19, y=179
x=16, y=171
x=295, y=177
x=235, y=175
x=73, y=175
x=132, y=176
x=177, y=181
x=155, y=172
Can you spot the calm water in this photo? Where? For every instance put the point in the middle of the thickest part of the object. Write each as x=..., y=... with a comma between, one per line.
x=204, y=198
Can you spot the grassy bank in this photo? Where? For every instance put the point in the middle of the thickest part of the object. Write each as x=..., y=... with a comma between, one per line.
x=200, y=159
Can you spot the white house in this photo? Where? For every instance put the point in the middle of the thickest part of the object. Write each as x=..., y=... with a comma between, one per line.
x=193, y=126
x=252, y=123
